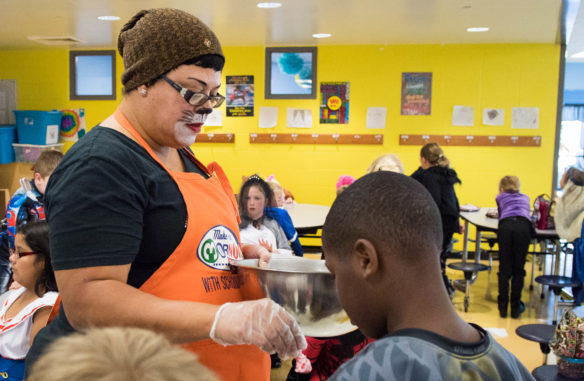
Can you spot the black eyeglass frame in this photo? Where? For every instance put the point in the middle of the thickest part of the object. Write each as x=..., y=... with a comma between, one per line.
x=201, y=98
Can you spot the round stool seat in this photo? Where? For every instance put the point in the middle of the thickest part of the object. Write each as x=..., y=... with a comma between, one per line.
x=540, y=333
x=548, y=373
x=468, y=268
x=472, y=267
x=556, y=282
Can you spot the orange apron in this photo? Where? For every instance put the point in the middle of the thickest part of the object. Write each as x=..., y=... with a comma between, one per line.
x=198, y=268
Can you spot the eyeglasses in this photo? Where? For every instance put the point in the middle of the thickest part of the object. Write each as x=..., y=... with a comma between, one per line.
x=195, y=99
x=20, y=254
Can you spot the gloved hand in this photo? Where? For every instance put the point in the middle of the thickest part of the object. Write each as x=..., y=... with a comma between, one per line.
x=258, y=322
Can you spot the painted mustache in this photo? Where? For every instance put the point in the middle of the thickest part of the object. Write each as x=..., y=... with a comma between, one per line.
x=190, y=117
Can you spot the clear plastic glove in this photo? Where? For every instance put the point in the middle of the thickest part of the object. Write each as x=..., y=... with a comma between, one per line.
x=258, y=322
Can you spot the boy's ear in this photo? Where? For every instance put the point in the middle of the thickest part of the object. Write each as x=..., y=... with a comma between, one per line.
x=366, y=257
x=37, y=176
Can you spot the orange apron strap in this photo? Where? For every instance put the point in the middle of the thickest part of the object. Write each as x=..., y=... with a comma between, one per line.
x=214, y=167
x=55, y=310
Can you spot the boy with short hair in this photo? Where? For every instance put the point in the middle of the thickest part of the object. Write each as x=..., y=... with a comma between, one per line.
x=25, y=205
x=382, y=239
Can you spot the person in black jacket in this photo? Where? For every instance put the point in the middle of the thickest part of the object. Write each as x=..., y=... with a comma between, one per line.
x=439, y=179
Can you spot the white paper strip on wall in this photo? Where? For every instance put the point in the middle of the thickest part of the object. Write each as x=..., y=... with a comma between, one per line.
x=493, y=116
x=376, y=117
x=299, y=118
x=463, y=116
x=268, y=117
x=525, y=117
x=215, y=118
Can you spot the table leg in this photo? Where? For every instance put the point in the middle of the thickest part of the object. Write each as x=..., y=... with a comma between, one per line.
x=533, y=260
x=554, y=320
x=478, y=246
x=558, y=255
x=465, y=242
x=466, y=295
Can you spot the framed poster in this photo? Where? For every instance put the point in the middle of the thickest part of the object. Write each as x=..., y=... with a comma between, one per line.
x=334, y=102
x=291, y=73
x=416, y=93
x=240, y=95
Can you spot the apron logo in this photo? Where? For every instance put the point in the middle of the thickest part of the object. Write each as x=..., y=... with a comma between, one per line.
x=209, y=254
x=217, y=246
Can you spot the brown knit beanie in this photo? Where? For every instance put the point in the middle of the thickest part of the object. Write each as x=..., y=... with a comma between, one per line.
x=156, y=41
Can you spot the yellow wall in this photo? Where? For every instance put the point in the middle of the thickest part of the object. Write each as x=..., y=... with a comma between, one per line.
x=497, y=76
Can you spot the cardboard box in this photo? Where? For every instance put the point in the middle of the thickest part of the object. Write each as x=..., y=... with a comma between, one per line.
x=10, y=175
x=4, y=198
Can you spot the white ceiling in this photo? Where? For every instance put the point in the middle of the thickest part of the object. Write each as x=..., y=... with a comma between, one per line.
x=242, y=23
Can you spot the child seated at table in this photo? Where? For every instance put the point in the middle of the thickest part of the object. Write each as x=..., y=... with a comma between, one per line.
x=280, y=214
x=26, y=205
x=256, y=227
x=514, y=235
x=343, y=183
x=382, y=238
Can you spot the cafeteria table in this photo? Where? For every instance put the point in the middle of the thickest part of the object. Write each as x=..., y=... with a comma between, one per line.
x=308, y=219
x=483, y=223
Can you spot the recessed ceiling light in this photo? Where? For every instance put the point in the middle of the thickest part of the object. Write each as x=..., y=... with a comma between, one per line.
x=269, y=5
x=477, y=29
x=321, y=35
x=108, y=18
x=578, y=55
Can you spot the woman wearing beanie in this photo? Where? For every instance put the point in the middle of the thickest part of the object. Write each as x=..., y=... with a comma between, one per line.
x=142, y=232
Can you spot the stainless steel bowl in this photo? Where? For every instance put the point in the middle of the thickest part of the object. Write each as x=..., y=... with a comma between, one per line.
x=306, y=289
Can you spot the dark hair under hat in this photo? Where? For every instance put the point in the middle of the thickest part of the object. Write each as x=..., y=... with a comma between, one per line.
x=156, y=41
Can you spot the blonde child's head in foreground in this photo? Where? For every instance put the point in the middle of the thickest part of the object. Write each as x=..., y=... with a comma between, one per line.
x=387, y=162
x=509, y=184
x=117, y=354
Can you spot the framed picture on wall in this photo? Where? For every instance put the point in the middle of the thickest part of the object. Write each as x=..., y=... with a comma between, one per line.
x=92, y=74
x=291, y=73
x=416, y=94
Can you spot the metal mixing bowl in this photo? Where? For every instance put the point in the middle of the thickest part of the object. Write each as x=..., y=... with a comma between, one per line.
x=306, y=289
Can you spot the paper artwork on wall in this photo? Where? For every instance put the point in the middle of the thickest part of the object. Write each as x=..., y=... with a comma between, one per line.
x=463, y=116
x=300, y=118
x=214, y=119
x=376, y=117
x=416, y=93
x=334, y=102
x=525, y=117
x=268, y=117
x=493, y=116
x=72, y=125
x=240, y=95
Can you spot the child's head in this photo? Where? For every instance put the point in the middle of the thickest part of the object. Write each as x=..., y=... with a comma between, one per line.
x=431, y=154
x=277, y=189
x=118, y=354
x=343, y=183
x=255, y=195
x=509, y=184
x=384, y=227
x=387, y=162
x=574, y=175
x=44, y=167
x=30, y=259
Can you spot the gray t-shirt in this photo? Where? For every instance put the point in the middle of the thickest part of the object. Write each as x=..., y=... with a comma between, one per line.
x=419, y=355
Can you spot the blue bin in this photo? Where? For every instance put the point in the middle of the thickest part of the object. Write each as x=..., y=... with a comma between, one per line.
x=38, y=127
x=7, y=137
